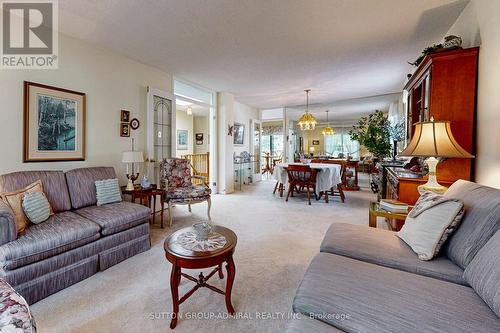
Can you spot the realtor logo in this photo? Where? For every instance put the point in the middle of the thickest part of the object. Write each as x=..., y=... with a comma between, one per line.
x=29, y=35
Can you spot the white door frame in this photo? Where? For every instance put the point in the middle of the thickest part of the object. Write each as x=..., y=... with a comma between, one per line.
x=257, y=176
x=212, y=127
x=151, y=92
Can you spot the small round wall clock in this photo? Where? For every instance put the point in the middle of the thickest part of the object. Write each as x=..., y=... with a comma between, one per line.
x=134, y=123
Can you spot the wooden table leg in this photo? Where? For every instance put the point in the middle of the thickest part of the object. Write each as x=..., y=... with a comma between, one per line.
x=154, y=207
x=221, y=273
x=162, y=202
x=231, y=272
x=175, y=277
x=372, y=220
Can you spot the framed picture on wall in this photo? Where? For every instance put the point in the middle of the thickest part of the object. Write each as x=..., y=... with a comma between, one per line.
x=54, y=124
x=182, y=139
x=124, y=116
x=199, y=138
x=239, y=134
x=124, y=130
x=315, y=142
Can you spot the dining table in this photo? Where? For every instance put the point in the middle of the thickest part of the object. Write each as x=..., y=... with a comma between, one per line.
x=328, y=175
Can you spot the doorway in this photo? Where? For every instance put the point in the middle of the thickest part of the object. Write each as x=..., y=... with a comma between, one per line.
x=195, y=128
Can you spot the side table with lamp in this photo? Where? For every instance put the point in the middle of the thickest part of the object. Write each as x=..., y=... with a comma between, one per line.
x=146, y=192
x=434, y=139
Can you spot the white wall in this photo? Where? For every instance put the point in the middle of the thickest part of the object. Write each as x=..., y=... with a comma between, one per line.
x=200, y=125
x=479, y=24
x=225, y=118
x=111, y=82
x=242, y=114
x=184, y=122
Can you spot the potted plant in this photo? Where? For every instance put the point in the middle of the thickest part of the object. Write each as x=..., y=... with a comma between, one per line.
x=373, y=133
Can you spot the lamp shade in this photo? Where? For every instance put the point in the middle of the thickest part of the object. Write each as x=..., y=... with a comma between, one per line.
x=434, y=138
x=132, y=157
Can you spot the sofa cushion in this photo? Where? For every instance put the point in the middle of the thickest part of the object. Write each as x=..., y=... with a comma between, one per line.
x=53, y=182
x=380, y=299
x=81, y=184
x=307, y=324
x=480, y=222
x=430, y=223
x=117, y=216
x=382, y=247
x=107, y=191
x=187, y=193
x=483, y=273
x=36, y=207
x=60, y=233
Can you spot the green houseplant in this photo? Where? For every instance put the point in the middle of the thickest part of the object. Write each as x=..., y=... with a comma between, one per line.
x=373, y=132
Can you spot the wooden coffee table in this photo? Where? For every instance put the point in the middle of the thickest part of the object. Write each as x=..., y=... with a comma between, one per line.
x=375, y=211
x=182, y=258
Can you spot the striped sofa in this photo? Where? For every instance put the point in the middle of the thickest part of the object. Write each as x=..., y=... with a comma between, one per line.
x=79, y=240
x=368, y=280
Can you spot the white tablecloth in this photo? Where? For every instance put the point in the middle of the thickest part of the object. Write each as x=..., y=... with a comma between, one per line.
x=327, y=177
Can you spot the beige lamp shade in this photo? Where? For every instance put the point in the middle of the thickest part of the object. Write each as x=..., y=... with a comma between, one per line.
x=434, y=138
x=132, y=157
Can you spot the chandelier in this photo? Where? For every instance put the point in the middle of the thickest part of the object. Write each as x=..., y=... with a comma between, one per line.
x=307, y=121
x=327, y=130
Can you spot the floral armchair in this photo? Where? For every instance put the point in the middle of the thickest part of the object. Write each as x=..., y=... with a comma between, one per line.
x=15, y=315
x=176, y=180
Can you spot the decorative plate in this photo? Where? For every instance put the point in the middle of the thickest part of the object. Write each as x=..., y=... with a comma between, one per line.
x=188, y=241
x=134, y=123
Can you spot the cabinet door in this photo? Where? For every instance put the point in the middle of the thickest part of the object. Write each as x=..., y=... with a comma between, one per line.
x=409, y=123
x=426, y=84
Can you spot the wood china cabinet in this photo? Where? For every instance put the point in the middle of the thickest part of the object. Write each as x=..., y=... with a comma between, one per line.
x=442, y=87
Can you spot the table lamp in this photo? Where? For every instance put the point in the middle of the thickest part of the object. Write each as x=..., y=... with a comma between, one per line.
x=132, y=157
x=434, y=139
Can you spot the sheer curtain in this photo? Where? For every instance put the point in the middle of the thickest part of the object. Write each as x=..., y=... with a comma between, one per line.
x=341, y=142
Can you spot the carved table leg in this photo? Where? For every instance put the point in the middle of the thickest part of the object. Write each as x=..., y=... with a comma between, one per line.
x=175, y=277
x=231, y=272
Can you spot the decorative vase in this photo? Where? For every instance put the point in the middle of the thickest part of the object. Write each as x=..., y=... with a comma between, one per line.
x=202, y=230
x=145, y=183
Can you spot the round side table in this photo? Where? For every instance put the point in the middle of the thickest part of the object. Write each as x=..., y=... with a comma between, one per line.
x=183, y=258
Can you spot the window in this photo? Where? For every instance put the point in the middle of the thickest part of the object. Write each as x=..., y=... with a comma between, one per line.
x=341, y=144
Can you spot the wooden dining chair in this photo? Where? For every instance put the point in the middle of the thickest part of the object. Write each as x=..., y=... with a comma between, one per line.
x=301, y=176
x=279, y=187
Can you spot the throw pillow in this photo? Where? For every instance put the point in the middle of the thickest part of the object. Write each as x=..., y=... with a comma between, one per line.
x=483, y=273
x=108, y=191
x=36, y=207
x=14, y=200
x=430, y=224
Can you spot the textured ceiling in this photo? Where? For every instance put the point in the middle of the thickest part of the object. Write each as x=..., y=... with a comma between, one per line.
x=267, y=51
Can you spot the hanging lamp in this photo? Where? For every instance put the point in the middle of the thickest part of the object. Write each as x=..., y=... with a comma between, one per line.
x=327, y=130
x=307, y=122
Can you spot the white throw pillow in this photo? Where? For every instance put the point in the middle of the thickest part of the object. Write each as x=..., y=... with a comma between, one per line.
x=428, y=231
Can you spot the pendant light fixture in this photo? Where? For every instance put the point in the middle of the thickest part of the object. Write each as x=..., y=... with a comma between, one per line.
x=189, y=111
x=307, y=121
x=327, y=130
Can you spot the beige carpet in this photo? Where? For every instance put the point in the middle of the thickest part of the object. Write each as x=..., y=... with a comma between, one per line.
x=276, y=241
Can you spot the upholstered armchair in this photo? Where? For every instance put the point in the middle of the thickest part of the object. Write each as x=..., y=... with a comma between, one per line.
x=176, y=179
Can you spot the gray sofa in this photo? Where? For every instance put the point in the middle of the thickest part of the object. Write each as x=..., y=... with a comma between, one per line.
x=75, y=243
x=368, y=280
